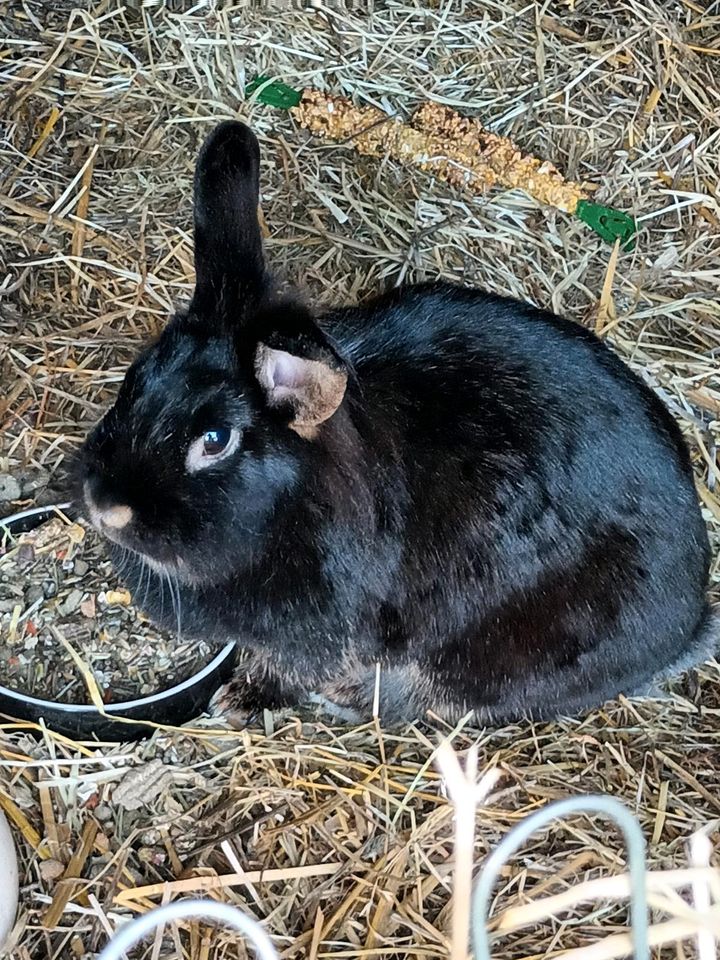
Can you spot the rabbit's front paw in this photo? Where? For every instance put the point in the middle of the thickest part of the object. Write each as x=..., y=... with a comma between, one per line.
x=239, y=702
x=254, y=688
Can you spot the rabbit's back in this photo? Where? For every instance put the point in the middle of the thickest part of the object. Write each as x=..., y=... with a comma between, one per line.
x=491, y=382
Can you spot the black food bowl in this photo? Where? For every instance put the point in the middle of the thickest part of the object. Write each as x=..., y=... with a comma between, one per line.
x=172, y=707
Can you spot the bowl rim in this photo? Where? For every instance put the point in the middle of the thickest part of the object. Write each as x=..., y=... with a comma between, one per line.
x=124, y=705
x=110, y=708
x=35, y=512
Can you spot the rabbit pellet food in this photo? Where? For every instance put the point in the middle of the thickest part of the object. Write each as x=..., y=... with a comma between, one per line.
x=56, y=581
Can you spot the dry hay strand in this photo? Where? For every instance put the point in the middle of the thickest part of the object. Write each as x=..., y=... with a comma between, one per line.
x=103, y=110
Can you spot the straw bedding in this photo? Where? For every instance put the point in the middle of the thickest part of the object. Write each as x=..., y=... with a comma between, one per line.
x=103, y=109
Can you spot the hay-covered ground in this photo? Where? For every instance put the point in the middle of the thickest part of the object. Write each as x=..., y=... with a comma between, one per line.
x=102, y=112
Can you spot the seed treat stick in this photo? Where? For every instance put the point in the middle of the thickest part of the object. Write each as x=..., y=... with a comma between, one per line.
x=450, y=146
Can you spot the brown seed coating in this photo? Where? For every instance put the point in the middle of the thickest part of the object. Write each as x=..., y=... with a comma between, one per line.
x=374, y=133
x=540, y=178
x=440, y=141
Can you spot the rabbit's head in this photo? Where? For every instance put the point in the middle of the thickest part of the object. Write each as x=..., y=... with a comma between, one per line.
x=212, y=425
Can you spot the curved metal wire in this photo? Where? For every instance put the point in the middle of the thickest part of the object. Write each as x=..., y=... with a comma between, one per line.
x=223, y=913
x=605, y=806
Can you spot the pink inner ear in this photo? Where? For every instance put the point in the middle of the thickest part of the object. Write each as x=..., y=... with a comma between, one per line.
x=286, y=370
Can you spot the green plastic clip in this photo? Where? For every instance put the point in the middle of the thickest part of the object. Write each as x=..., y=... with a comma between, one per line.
x=610, y=224
x=274, y=94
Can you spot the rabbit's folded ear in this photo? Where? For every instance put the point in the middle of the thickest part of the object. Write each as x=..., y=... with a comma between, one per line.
x=298, y=368
x=229, y=260
x=312, y=389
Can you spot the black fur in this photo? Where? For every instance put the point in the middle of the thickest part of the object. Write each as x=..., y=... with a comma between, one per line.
x=499, y=513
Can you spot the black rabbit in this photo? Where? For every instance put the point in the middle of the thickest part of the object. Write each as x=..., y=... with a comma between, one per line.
x=475, y=495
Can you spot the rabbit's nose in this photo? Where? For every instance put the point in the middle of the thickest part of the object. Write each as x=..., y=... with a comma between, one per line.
x=115, y=517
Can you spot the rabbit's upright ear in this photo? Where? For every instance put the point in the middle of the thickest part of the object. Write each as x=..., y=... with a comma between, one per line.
x=229, y=260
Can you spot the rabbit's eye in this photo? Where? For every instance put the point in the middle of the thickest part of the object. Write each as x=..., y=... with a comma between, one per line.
x=215, y=441
x=211, y=447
